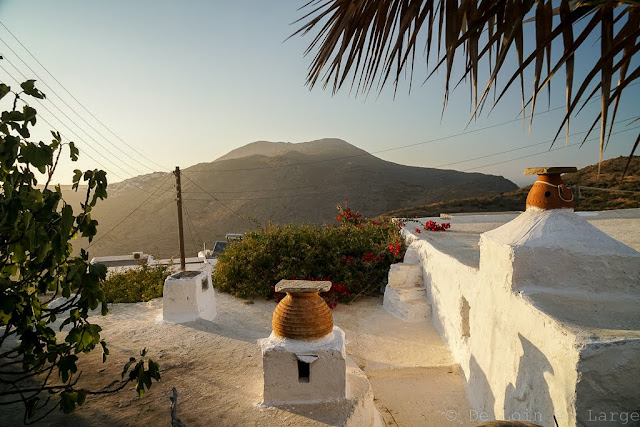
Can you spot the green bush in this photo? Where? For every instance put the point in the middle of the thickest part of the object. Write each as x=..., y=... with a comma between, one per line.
x=135, y=285
x=355, y=255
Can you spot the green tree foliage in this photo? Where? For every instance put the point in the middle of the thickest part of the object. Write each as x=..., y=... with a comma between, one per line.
x=355, y=255
x=38, y=366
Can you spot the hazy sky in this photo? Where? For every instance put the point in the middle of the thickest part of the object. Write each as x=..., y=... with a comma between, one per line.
x=185, y=82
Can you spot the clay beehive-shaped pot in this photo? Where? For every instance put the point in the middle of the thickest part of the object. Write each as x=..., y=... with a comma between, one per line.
x=302, y=314
x=549, y=191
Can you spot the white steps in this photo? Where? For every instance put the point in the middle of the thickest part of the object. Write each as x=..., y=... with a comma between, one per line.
x=404, y=296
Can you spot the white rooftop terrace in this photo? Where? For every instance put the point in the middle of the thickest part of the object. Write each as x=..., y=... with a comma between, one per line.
x=461, y=240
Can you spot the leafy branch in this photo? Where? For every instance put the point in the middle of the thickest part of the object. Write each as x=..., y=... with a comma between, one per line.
x=37, y=267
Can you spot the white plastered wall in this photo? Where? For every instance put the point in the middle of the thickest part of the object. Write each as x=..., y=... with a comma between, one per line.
x=519, y=361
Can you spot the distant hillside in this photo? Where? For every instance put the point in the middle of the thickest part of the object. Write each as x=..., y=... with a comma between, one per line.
x=270, y=182
x=588, y=199
x=322, y=148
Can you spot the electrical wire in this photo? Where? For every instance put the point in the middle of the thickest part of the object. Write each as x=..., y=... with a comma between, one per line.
x=80, y=149
x=73, y=122
x=190, y=227
x=547, y=151
x=360, y=183
x=442, y=174
x=253, y=223
x=443, y=138
x=77, y=101
x=62, y=99
x=68, y=128
x=239, y=169
x=127, y=216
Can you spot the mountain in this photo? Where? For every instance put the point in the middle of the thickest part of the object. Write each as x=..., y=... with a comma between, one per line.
x=592, y=198
x=269, y=182
x=328, y=147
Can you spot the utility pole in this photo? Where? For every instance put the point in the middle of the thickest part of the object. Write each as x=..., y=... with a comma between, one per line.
x=180, y=231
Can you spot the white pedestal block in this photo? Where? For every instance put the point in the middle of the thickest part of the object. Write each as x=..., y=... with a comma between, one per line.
x=304, y=371
x=189, y=295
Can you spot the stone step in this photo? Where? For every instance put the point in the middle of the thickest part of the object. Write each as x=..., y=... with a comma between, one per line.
x=409, y=305
x=402, y=275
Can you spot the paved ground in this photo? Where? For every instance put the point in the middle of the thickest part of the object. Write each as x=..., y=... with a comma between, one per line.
x=461, y=241
x=414, y=378
x=217, y=367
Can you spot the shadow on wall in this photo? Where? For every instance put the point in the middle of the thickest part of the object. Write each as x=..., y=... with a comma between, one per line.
x=530, y=400
x=481, y=398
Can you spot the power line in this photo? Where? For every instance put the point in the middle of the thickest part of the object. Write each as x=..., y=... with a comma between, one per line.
x=80, y=139
x=72, y=121
x=68, y=128
x=265, y=190
x=193, y=225
x=128, y=215
x=443, y=138
x=218, y=200
x=240, y=169
x=241, y=216
x=135, y=196
x=612, y=190
x=359, y=183
x=190, y=227
x=275, y=197
x=547, y=151
x=74, y=98
x=443, y=172
x=522, y=148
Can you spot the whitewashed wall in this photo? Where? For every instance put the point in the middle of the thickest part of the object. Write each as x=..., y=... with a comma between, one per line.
x=534, y=344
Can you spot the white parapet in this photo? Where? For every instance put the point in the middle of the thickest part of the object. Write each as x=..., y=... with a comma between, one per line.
x=189, y=295
x=404, y=296
x=548, y=327
x=304, y=371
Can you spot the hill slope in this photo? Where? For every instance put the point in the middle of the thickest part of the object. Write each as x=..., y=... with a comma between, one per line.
x=589, y=199
x=270, y=182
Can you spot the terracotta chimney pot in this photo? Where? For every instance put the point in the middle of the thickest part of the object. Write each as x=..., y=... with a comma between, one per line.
x=549, y=191
x=302, y=314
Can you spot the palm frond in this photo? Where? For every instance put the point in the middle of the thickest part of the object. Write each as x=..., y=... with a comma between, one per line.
x=372, y=42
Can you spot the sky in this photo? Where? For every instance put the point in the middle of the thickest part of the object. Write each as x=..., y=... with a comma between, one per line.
x=179, y=83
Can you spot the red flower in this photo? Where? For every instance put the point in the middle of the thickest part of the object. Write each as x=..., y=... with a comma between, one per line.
x=368, y=257
x=417, y=230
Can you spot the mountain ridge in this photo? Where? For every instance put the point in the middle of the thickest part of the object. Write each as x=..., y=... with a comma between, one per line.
x=280, y=184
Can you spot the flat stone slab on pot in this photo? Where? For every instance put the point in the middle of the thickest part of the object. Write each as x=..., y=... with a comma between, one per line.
x=302, y=286
x=550, y=170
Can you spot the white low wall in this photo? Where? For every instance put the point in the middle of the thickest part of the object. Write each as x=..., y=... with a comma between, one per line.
x=532, y=348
